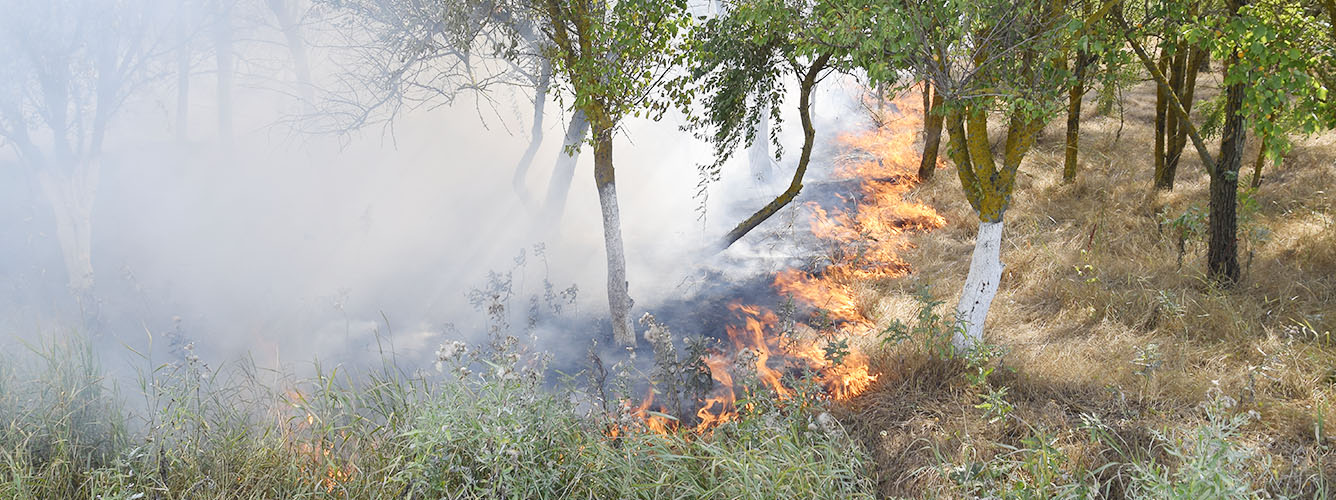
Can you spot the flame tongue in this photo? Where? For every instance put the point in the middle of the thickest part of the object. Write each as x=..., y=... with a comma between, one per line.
x=758, y=338
x=719, y=407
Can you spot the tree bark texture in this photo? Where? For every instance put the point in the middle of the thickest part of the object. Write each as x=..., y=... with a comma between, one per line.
x=1222, y=253
x=1074, y=95
x=619, y=297
x=932, y=131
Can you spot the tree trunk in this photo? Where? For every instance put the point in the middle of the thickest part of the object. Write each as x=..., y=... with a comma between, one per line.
x=564, y=171
x=1186, y=89
x=182, y=82
x=535, y=135
x=223, y=54
x=796, y=185
x=292, y=32
x=1162, y=178
x=988, y=190
x=758, y=155
x=932, y=132
x=1257, y=164
x=1108, y=90
x=980, y=286
x=619, y=298
x=1175, y=104
x=71, y=197
x=1171, y=119
x=1074, y=96
x=1222, y=253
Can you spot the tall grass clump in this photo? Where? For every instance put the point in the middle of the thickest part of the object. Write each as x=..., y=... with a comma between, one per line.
x=1203, y=462
x=60, y=422
x=488, y=425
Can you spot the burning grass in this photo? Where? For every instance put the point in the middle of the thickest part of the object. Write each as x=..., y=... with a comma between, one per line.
x=865, y=234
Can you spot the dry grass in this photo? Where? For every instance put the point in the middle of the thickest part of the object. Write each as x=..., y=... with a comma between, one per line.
x=1093, y=277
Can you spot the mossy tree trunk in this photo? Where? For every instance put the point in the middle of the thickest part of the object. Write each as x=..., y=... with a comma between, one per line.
x=932, y=131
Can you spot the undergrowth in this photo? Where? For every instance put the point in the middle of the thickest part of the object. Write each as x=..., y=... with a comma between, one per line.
x=487, y=425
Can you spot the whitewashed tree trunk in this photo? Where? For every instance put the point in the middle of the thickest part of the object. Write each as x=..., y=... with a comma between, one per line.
x=980, y=286
x=758, y=154
x=71, y=197
x=619, y=297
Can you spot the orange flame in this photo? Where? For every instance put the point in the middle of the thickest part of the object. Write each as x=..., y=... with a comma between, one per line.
x=718, y=408
x=322, y=461
x=866, y=243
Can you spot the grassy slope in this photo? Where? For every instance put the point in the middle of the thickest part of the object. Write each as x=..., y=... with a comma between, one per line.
x=1091, y=278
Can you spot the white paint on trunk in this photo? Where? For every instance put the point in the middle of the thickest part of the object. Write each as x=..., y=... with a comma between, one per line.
x=758, y=155
x=980, y=286
x=619, y=298
x=71, y=197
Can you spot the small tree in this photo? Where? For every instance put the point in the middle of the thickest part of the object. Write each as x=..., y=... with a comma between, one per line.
x=984, y=58
x=614, y=58
x=68, y=68
x=606, y=60
x=741, y=65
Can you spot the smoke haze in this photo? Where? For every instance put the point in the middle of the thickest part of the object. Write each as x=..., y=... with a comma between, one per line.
x=291, y=246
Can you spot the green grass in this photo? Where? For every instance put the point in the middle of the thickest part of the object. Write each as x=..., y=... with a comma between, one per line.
x=497, y=430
